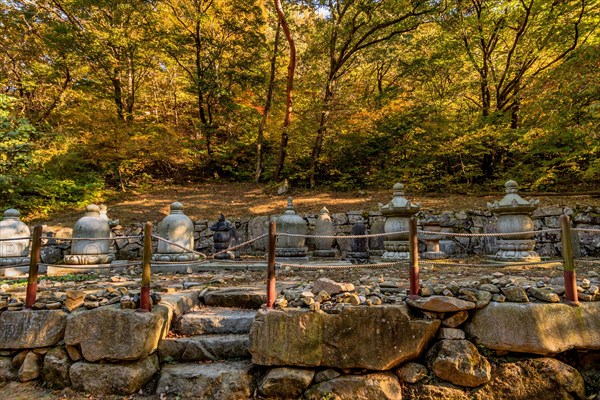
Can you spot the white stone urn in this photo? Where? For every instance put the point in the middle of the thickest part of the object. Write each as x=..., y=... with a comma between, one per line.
x=14, y=251
x=289, y=222
x=324, y=227
x=513, y=213
x=177, y=228
x=94, y=246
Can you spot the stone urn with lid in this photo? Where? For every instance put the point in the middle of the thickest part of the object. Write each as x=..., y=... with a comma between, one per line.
x=93, y=246
x=513, y=213
x=397, y=213
x=324, y=227
x=178, y=229
x=291, y=247
x=15, y=250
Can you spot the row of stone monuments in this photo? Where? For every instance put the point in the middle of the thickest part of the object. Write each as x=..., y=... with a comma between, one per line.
x=92, y=236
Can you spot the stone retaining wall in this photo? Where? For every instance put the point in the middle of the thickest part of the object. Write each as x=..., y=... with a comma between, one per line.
x=472, y=221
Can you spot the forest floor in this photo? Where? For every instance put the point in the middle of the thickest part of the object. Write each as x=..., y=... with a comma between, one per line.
x=235, y=200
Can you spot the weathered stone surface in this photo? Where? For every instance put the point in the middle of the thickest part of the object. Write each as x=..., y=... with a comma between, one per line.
x=331, y=287
x=28, y=329
x=411, y=372
x=236, y=297
x=215, y=320
x=31, y=368
x=436, y=392
x=456, y=319
x=380, y=386
x=74, y=353
x=215, y=381
x=459, y=362
x=541, y=378
x=515, y=294
x=56, y=368
x=7, y=371
x=113, y=334
x=536, y=327
x=450, y=333
x=544, y=295
x=75, y=299
x=325, y=375
x=310, y=339
x=204, y=348
x=441, y=304
x=124, y=378
x=285, y=383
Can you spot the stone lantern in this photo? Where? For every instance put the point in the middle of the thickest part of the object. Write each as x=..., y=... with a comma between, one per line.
x=397, y=215
x=433, y=252
x=14, y=252
x=324, y=227
x=513, y=213
x=177, y=228
x=291, y=247
x=89, y=250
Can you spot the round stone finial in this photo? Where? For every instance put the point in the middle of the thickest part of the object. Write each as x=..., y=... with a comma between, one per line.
x=324, y=210
x=398, y=189
x=92, y=209
x=176, y=208
x=511, y=186
x=12, y=213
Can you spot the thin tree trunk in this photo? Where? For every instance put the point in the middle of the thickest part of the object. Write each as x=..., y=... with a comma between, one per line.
x=118, y=97
x=316, y=151
x=289, y=89
x=260, y=138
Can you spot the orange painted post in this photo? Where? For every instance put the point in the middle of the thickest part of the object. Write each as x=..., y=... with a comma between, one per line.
x=569, y=267
x=32, y=280
x=413, y=248
x=145, y=303
x=271, y=295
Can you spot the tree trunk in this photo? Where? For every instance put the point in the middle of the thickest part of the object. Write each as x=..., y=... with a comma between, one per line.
x=316, y=151
x=118, y=97
x=261, y=128
x=289, y=89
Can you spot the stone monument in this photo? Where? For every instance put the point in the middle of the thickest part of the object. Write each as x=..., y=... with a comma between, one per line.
x=324, y=227
x=177, y=228
x=359, y=253
x=224, y=236
x=397, y=215
x=513, y=213
x=90, y=245
x=291, y=248
x=433, y=251
x=15, y=251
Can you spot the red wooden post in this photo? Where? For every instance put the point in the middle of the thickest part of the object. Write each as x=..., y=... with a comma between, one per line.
x=569, y=267
x=32, y=280
x=413, y=246
x=271, y=294
x=145, y=303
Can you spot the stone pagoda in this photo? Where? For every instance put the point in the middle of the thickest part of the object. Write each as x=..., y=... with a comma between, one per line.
x=178, y=229
x=513, y=213
x=91, y=244
x=291, y=248
x=397, y=213
x=14, y=251
x=324, y=227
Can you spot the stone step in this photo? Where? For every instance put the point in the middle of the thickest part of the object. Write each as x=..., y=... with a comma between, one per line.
x=204, y=348
x=216, y=381
x=215, y=320
x=238, y=297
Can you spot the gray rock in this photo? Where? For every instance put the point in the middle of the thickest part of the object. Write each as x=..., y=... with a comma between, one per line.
x=441, y=304
x=539, y=328
x=106, y=333
x=29, y=329
x=331, y=287
x=541, y=378
x=250, y=298
x=498, y=298
x=380, y=386
x=215, y=381
x=455, y=319
x=515, y=294
x=215, y=320
x=31, y=368
x=483, y=298
x=325, y=375
x=287, y=383
x=204, y=348
x=459, y=362
x=299, y=337
x=436, y=392
x=450, y=333
x=123, y=378
x=544, y=295
x=412, y=372
x=56, y=368
x=493, y=289
x=7, y=371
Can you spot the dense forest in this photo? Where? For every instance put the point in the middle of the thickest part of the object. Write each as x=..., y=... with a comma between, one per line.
x=455, y=95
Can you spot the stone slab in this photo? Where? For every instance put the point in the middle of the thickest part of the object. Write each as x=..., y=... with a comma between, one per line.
x=380, y=386
x=28, y=329
x=215, y=320
x=204, y=348
x=111, y=334
x=536, y=327
x=240, y=297
x=377, y=338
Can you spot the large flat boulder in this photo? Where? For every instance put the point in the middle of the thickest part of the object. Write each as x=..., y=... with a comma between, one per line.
x=29, y=329
x=380, y=386
x=215, y=320
x=241, y=297
x=216, y=381
x=113, y=334
x=376, y=338
x=459, y=362
x=204, y=348
x=536, y=328
x=123, y=378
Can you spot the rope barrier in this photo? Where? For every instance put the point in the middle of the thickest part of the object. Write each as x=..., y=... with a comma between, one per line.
x=491, y=234
x=92, y=267
x=341, y=236
x=180, y=246
x=84, y=238
x=16, y=239
x=241, y=244
x=586, y=230
x=579, y=260
x=352, y=266
x=487, y=265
